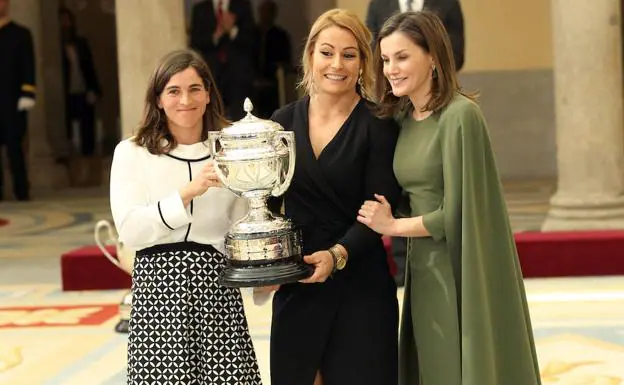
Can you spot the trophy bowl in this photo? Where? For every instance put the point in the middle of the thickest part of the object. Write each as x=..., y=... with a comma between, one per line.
x=255, y=159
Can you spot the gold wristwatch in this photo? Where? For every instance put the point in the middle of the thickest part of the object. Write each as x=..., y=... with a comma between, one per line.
x=340, y=260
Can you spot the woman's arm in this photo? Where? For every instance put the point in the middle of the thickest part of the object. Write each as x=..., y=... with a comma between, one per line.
x=139, y=223
x=380, y=179
x=378, y=216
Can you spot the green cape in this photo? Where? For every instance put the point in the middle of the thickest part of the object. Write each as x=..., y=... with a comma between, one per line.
x=496, y=334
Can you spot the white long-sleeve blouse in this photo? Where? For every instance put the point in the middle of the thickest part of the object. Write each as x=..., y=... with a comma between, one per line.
x=146, y=205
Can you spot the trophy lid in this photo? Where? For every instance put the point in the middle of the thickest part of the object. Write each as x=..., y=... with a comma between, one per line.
x=251, y=124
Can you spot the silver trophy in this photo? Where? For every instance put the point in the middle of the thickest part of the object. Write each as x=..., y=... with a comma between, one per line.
x=255, y=159
x=124, y=261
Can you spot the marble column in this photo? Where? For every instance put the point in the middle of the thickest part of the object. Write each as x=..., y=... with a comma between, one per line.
x=46, y=119
x=146, y=31
x=589, y=116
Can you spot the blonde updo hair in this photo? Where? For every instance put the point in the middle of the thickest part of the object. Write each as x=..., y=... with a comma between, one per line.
x=349, y=21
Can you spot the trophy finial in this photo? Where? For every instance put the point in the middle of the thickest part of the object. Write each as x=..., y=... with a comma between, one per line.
x=247, y=105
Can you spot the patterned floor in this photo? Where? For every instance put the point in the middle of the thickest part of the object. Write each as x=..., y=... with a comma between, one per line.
x=52, y=337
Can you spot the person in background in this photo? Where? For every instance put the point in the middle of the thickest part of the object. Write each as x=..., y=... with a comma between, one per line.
x=223, y=32
x=17, y=97
x=82, y=90
x=273, y=51
x=465, y=317
x=449, y=11
x=167, y=203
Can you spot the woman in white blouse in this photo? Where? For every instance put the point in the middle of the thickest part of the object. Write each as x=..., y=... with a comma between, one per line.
x=167, y=202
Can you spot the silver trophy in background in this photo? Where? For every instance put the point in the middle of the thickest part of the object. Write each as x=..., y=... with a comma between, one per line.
x=124, y=261
x=255, y=159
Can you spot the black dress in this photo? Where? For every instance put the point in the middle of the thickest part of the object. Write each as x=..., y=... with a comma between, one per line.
x=347, y=326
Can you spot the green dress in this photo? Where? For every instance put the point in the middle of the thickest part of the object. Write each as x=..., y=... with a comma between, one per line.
x=465, y=316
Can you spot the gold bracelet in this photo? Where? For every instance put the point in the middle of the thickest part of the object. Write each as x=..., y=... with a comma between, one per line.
x=334, y=255
x=340, y=260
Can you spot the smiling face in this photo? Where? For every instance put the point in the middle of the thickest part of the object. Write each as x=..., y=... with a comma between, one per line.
x=184, y=101
x=335, y=61
x=406, y=65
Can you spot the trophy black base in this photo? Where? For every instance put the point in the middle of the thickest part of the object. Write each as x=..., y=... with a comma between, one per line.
x=239, y=274
x=125, y=308
x=122, y=326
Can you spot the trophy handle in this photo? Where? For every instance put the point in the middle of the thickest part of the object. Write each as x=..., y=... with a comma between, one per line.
x=98, y=227
x=289, y=137
x=214, y=137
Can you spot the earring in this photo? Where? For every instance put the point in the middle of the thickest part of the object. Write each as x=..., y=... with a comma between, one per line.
x=360, y=84
x=434, y=72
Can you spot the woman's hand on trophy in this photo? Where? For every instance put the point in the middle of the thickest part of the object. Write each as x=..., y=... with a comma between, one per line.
x=323, y=266
x=212, y=179
x=206, y=178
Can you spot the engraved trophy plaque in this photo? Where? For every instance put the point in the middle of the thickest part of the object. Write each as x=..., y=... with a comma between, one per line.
x=255, y=159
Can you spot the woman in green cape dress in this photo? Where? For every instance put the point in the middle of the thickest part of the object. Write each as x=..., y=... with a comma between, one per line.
x=465, y=316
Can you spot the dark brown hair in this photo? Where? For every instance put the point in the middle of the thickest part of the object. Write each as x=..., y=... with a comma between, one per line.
x=426, y=30
x=154, y=133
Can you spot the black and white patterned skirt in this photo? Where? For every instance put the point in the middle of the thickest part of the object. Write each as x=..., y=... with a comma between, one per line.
x=185, y=328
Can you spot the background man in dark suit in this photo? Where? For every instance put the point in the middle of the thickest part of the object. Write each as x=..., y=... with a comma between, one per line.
x=222, y=31
x=17, y=96
x=272, y=50
x=448, y=10
x=82, y=90
x=451, y=14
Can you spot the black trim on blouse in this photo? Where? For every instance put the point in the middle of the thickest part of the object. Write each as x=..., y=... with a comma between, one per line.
x=190, y=171
x=188, y=230
x=162, y=218
x=188, y=160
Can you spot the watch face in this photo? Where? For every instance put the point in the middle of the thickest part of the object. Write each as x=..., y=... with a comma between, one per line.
x=341, y=263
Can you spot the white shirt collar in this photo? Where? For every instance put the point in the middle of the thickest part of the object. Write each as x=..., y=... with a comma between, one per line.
x=226, y=4
x=191, y=151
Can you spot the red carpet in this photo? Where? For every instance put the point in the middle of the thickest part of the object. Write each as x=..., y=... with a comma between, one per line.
x=391, y=263
x=571, y=253
x=549, y=254
x=87, y=268
x=59, y=315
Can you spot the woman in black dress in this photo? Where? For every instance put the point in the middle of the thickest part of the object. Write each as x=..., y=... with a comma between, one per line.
x=340, y=324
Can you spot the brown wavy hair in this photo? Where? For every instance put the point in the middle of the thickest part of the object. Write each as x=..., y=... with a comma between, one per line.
x=426, y=30
x=349, y=21
x=154, y=133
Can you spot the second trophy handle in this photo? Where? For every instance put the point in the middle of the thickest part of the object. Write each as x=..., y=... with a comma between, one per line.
x=215, y=143
x=289, y=137
x=104, y=224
